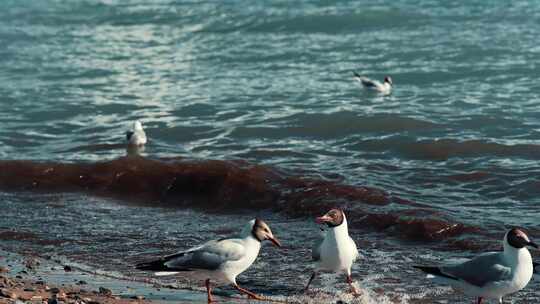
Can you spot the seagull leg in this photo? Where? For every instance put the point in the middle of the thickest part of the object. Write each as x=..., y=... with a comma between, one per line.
x=208, y=291
x=479, y=300
x=250, y=294
x=354, y=290
x=310, y=280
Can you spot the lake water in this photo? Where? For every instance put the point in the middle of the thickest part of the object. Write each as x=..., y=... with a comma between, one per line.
x=243, y=92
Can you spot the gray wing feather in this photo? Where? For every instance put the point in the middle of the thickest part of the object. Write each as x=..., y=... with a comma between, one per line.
x=368, y=82
x=484, y=269
x=210, y=256
x=353, y=244
x=129, y=134
x=316, y=250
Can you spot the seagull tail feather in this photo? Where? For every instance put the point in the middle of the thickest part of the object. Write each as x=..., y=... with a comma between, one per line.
x=157, y=265
x=435, y=271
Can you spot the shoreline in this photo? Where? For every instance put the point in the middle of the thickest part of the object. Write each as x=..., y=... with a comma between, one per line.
x=31, y=278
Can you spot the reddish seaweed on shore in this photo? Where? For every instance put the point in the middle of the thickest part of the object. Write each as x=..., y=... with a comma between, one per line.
x=228, y=186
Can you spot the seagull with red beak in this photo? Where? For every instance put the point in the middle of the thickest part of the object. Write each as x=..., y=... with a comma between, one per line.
x=335, y=251
x=217, y=262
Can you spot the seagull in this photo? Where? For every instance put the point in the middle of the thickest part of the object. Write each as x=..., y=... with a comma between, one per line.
x=136, y=136
x=383, y=88
x=334, y=250
x=218, y=261
x=491, y=275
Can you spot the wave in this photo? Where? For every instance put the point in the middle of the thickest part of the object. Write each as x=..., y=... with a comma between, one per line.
x=443, y=149
x=335, y=125
x=229, y=186
x=336, y=22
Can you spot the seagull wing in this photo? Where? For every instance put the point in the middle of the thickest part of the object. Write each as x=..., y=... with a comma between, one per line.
x=209, y=256
x=482, y=270
x=366, y=82
x=355, y=249
x=129, y=134
x=316, y=250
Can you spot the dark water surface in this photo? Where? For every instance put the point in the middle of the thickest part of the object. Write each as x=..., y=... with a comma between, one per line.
x=251, y=105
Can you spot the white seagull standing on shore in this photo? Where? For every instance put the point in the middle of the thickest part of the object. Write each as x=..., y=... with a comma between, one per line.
x=136, y=136
x=335, y=251
x=217, y=262
x=491, y=275
x=383, y=88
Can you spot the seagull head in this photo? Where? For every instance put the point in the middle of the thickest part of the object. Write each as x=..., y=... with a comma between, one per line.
x=518, y=239
x=332, y=218
x=388, y=80
x=137, y=126
x=261, y=232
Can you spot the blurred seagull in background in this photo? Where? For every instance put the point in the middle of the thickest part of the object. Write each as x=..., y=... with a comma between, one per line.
x=491, y=275
x=136, y=136
x=383, y=88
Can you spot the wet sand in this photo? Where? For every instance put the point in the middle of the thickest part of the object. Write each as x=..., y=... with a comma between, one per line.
x=30, y=278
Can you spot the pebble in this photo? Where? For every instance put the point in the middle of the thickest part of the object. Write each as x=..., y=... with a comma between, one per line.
x=5, y=282
x=31, y=263
x=105, y=291
x=61, y=296
x=67, y=268
x=8, y=294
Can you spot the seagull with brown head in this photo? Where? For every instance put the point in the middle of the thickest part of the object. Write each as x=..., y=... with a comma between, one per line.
x=335, y=251
x=217, y=262
x=491, y=275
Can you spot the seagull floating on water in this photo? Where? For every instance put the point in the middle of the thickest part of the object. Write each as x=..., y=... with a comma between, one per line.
x=334, y=250
x=383, y=88
x=491, y=275
x=217, y=262
x=136, y=136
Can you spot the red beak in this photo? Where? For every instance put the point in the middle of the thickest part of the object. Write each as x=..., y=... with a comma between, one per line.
x=275, y=241
x=323, y=219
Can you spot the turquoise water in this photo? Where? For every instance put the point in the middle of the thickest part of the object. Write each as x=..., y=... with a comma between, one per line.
x=271, y=83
